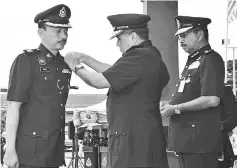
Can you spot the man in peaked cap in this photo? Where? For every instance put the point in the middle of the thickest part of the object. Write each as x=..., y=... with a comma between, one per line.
x=135, y=82
x=194, y=110
x=39, y=83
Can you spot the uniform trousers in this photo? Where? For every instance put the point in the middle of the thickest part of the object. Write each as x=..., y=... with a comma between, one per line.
x=198, y=160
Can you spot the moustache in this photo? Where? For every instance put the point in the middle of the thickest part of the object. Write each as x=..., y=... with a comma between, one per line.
x=183, y=45
x=64, y=40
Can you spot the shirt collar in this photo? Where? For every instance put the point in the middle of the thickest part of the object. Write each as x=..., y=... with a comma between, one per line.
x=201, y=51
x=142, y=45
x=48, y=54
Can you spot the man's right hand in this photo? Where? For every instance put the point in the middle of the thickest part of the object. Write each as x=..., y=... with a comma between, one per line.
x=10, y=159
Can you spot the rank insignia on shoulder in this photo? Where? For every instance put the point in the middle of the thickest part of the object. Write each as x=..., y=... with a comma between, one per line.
x=41, y=61
x=30, y=51
x=66, y=71
x=207, y=51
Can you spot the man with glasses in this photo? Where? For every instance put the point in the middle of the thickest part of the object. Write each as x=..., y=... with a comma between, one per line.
x=194, y=110
x=135, y=82
x=38, y=90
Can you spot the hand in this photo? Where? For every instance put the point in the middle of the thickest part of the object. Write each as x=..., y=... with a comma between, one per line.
x=73, y=59
x=10, y=159
x=167, y=110
x=162, y=103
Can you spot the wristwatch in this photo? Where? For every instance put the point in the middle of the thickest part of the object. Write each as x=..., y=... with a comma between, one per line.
x=176, y=109
x=78, y=67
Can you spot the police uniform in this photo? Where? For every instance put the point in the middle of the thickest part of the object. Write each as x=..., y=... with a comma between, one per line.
x=41, y=81
x=196, y=132
x=228, y=122
x=136, y=135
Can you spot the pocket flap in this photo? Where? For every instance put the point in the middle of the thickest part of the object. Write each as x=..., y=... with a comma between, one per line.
x=117, y=133
x=43, y=134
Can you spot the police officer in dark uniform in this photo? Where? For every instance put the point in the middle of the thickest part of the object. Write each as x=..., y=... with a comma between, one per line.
x=38, y=90
x=135, y=82
x=194, y=128
x=228, y=123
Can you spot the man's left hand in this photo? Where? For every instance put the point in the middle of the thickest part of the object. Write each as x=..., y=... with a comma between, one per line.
x=167, y=110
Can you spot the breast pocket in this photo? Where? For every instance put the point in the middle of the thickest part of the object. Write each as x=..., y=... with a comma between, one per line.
x=34, y=144
x=45, y=84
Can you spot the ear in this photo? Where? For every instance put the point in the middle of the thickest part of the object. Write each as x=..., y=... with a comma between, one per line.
x=200, y=35
x=41, y=32
x=134, y=37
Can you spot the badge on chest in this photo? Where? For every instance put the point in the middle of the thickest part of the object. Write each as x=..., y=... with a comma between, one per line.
x=44, y=69
x=194, y=65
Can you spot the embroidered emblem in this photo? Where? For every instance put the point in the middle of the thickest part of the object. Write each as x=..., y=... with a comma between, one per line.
x=62, y=12
x=104, y=162
x=48, y=55
x=41, y=61
x=88, y=162
x=66, y=71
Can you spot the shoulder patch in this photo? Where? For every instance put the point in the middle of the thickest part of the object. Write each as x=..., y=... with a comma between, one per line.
x=30, y=51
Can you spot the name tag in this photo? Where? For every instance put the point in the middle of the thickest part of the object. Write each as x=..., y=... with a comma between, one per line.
x=66, y=71
x=44, y=69
x=194, y=65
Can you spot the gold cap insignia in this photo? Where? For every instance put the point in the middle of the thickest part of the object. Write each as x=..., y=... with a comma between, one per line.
x=62, y=12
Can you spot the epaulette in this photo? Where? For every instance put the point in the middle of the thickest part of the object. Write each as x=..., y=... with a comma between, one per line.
x=30, y=51
x=207, y=51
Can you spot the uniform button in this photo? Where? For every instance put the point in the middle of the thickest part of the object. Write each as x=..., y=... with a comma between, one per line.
x=186, y=67
x=34, y=133
x=62, y=117
x=58, y=80
x=45, y=78
x=57, y=69
x=61, y=130
x=68, y=80
x=193, y=125
x=172, y=95
x=176, y=85
x=116, y=133
x=62, y=105
x=60, y=92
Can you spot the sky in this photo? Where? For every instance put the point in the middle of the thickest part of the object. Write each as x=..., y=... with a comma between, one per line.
x=91, y=29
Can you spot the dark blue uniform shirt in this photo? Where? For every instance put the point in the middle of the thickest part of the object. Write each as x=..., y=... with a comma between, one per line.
x=198, y=131
x=136, y=135
x=41, y=81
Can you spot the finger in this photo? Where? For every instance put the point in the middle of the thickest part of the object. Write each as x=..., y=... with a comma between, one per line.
x=17, y=165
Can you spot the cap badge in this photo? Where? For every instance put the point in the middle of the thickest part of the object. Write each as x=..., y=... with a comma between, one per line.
x=62, y=12
x=178, y=24
x=41, y=61
x=48, y=55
